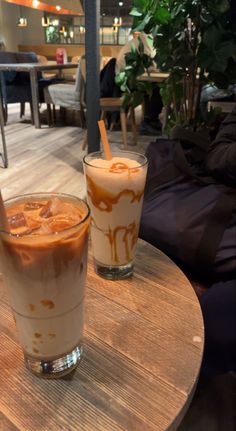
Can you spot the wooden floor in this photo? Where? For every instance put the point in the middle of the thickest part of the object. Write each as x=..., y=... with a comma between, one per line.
x=50, y=159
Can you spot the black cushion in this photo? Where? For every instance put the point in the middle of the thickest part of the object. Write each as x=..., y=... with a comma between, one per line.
x=5, y=58
x=27, y=57
x=8, y=57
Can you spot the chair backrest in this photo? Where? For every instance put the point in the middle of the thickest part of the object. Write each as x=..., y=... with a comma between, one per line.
x=81, y=82
x=8, y=57
x=83, y=67
x=75, y=59
x=26, y=57
x=5, y=58
x=77, y=82
x=42, y=59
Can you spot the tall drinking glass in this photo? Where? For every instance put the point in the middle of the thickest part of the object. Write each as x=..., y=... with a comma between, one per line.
x=115, y=190
x=44, y=260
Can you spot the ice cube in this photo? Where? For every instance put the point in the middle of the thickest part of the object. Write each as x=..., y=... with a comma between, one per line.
x=46, y=211
x=17, y=220
x=57, y=206
x=61, y=222
x=30, y=206
x=44, y=229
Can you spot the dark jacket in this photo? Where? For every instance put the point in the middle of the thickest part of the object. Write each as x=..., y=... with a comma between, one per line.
x=221, y=158
x=108, y=87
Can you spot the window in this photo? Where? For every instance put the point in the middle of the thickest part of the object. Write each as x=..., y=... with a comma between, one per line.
x=71, y=30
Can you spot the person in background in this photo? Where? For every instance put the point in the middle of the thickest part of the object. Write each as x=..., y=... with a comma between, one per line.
x=151, y=124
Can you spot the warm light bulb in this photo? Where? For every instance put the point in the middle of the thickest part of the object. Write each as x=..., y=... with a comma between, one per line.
x=35, y=3
x=55, y=22
x=22, y=22
x=45, y=21
x=117, y=22
x=58, y=8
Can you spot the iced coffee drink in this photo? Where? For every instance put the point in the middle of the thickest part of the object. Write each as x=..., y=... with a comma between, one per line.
x=115, y=190
x=44, y=260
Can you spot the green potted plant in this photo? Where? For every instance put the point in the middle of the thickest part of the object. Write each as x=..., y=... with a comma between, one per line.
x=195, y=44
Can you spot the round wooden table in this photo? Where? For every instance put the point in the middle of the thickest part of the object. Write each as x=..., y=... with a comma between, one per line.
x=143, y=348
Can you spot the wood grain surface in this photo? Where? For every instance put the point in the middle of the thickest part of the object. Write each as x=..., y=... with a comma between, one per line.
x=143, y=343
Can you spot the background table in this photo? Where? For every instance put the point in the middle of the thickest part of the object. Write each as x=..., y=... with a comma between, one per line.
x=33, y=69
x=143, y=349
x=154, y=77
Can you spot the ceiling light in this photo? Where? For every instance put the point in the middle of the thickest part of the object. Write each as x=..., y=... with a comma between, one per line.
x=121, y=3
x=58, y=8
x=35, y=3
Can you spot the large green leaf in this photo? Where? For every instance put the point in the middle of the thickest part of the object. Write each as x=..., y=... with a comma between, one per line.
x=135, y=12
x=143, y=23
x=120, y=78
x=162, y=16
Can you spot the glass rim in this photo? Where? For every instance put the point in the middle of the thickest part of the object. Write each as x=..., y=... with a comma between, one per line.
x=29, y=235
x=145, y=162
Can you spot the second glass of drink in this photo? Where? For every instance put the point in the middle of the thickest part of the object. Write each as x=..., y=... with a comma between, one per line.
x=115, y=190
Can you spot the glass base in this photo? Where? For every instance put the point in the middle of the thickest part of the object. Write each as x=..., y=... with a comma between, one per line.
x=52, y=369
x=114, y=272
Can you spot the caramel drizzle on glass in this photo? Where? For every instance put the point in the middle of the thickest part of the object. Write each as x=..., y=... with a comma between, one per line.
x=100, y=196
x=103, y=200
x=112, y=237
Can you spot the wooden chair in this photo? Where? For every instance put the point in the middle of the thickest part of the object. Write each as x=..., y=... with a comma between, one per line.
x=109, y=104
x=67, y=96
x=69, y=74
x=75, y=59
x=43, y=60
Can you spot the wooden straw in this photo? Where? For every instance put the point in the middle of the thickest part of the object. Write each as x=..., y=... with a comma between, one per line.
x=4, y=225
x=105, y=143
